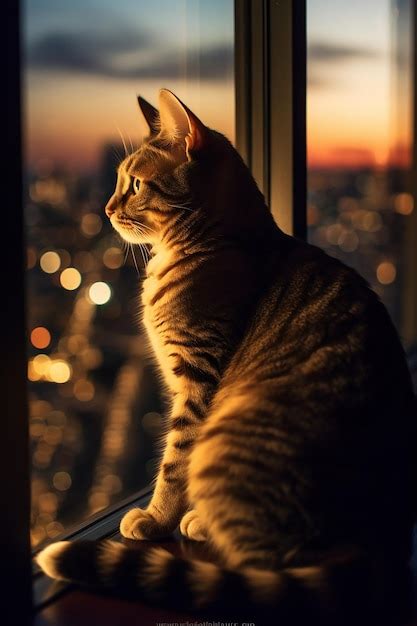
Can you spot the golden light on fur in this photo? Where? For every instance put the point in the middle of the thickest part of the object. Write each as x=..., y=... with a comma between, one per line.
x=48, y=558
x=109, y=557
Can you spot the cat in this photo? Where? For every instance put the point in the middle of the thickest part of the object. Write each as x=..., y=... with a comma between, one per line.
x=291, y=434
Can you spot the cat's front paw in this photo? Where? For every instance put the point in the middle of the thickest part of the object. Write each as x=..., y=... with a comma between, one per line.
x=140, y=524
x=192, y=528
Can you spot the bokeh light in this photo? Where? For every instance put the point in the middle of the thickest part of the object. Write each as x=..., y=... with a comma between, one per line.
x=53, y=435
x=41, y=363
x=53, y=529
x=113, y=258
x=48, y=502
x=386, y=273
x=112, y=483
x=70, y=278
x=91, y=224
x=371, y=221
x=99, y=293
x=84, y=390
x=50, y=262
x=404, y=203
x=333, y=233
x=40, y=337
x=59, y=371
x=33, y=374
x=348, y=241
x=62, y=481
x=98, y=500
x=48, y=190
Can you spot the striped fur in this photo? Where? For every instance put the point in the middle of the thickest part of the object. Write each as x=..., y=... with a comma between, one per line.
x=293, y=595
x=292, y=427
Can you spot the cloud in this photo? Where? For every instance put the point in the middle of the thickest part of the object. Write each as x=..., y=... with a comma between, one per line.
x=129, y=55
x=213, y=62
x=321, y=54
x=324, y=52
x=85, y=52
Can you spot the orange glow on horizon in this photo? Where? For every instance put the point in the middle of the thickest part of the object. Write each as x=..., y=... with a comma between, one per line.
x=61, y=128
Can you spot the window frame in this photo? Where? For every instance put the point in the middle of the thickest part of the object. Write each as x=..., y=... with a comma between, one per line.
x=410, y=321
x=14, y=457
x=271, y=92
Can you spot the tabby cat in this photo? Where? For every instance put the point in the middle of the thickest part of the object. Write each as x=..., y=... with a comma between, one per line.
x=292, y=426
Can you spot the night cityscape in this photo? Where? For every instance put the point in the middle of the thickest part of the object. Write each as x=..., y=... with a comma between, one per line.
x=94, y=399
x=362, y=217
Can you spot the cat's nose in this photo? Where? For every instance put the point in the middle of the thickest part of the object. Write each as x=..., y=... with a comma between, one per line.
x=110, y=207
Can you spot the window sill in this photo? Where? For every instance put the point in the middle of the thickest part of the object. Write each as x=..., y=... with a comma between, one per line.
x=62, y=604
x=101, y=526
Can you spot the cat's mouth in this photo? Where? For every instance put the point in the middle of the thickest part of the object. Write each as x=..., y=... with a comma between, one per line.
x=127, y=228
x=125, y=223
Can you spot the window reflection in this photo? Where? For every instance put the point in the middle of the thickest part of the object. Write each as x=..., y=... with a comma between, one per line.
x=95, y=406
x=360, y=207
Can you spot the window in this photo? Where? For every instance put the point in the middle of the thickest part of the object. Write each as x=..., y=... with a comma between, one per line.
x=360, y=147
x=83, y=63
x=95, y=406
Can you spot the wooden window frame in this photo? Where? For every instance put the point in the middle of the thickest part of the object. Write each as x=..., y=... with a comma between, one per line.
x=14, y=457
x=270, y=74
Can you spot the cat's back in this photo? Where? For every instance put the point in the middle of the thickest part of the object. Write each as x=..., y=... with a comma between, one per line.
x=319, y=323
x=321, y=375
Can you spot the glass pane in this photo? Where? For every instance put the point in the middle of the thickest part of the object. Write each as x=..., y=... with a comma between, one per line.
x=95, y=405
x=360, y=137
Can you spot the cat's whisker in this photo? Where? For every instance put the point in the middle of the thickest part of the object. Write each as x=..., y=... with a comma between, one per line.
x=142, y=254
x=180, y=206
x=126, y=253
x=145, y=252
x=185, y=202
x=123, y=141
x=134, y=259
x=117, y=154
x=148, y=229
x=143, y=246
x=131, y=144
x=144, y=227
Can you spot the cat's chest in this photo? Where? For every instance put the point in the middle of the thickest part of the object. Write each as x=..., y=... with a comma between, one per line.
x=157, y=286
x=161, y=314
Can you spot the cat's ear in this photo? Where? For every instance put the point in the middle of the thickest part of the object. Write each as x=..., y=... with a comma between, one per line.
x=180, y=124
x=150, y=114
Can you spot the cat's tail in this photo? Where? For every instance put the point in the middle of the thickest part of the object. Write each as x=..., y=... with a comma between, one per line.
x=155, y=575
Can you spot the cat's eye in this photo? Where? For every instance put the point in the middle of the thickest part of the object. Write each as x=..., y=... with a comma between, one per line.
x=136, y=185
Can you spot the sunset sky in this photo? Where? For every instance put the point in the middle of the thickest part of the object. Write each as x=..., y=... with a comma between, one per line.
x=358, y=97
x=86, y=61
